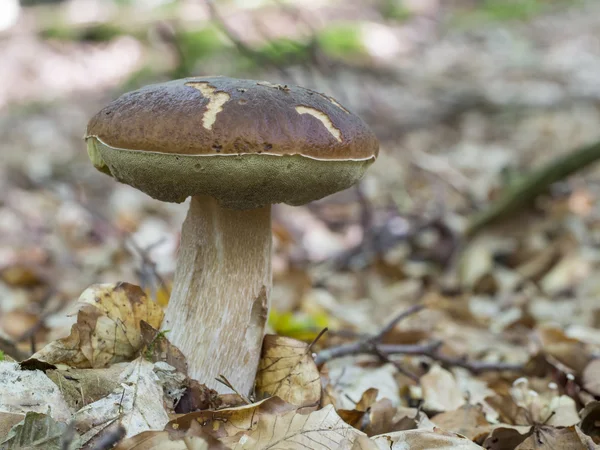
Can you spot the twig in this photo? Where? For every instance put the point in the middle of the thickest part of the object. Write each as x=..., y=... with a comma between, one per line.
x=392, y=323
x=430, y=350
x=371, y=344
x=529, y=187
x=9, y=348
x=221, y=379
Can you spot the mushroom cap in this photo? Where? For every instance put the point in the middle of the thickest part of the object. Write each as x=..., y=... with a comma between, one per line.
x=247, y=143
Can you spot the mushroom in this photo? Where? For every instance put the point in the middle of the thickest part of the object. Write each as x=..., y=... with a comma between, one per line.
x=236, y=147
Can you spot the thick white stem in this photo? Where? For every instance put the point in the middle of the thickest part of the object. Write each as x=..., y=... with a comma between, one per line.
x=220, y=300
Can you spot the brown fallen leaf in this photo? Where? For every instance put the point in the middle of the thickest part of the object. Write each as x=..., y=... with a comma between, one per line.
x=107, y=329
x=569, y=351
x=506, y=438
x=467, y=421
x=591, y=377
x=156, y=347
x=319, y=430
x=287, y=370
x=359, y=417
x=80, y=387
x=230, y=421
x=440, y=390
x=381, y=418
x=424, y=440
x=590, y=420
x=160, y=440
x=197, y=396
x=22, y=275
x=550, y=438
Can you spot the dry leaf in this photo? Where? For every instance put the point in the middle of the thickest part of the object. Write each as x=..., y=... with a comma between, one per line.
x=359, y=417
x=7, y=420
x=590, y=420
x=196, y=397
x=348, y=383
x=80, y=387
x=158, y=348
x=569, y=351
x=506, y=438
x=137, y=403
x=591, y=377
x=287, y=370
x=39, y=431
x=319, y=430
x=440, y=390
x=25, y=391
x=549, y=438
x=468, y=421
x=364, y=443
x=161, y=440
x=230, y=421
x=424, y=440
x=107, y=329
x=544, y=407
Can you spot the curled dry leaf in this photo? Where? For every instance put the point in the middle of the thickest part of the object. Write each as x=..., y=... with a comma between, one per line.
x=23, y=391
x=319, y=430
x=590, y=420
x=424, y=440
x=440, y=390
x=230, y=421
x=107, y=329
x=506, y=438
x=287, y=370
x=359, y=416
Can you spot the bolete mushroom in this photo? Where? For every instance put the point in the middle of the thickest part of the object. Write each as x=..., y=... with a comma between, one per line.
x=236, y=147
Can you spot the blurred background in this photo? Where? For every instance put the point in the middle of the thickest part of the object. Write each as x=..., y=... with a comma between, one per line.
x=464, y=95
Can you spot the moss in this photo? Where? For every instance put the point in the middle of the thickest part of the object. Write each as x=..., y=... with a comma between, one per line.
x=197, y=45
x=395, y=10
x=100, y=32
x=284, y=51
x=342, y=40
x=1, y=355
x=506, y=10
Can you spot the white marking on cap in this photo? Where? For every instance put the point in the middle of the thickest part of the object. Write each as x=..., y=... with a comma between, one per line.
x=216, y=100
x=323, y=118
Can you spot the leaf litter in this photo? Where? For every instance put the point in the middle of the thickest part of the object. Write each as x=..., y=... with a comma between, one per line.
x=503, y=354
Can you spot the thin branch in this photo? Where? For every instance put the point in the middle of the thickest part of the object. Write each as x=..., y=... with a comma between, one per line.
x=392, y=323
x=9, y=348
x=430, y=350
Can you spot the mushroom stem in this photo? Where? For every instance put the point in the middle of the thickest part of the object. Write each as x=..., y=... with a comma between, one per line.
x=220, y=300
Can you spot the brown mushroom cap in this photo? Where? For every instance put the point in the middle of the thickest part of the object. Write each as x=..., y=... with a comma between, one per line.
x=247, y=143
